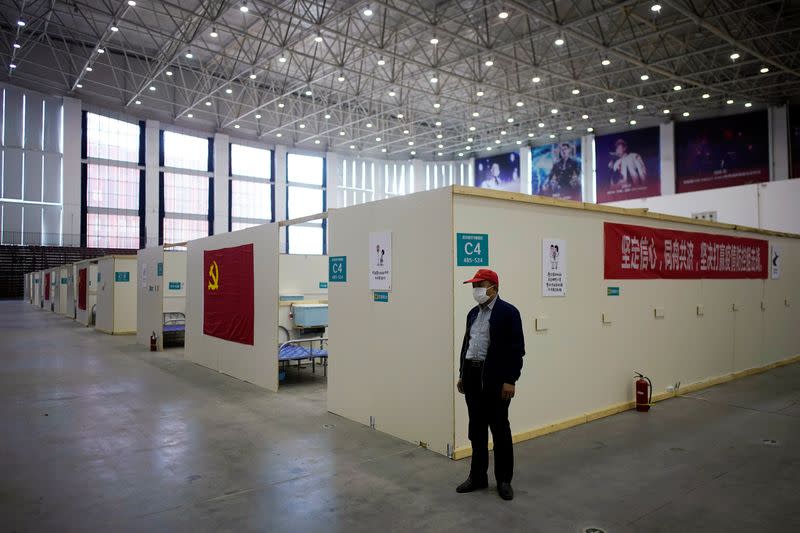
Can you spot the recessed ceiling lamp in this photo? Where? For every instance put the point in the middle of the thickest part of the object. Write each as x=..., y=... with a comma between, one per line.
x=21, y=23
x=640, y=107
x=258, y=116
x=764, y=70
x=686, y=113
x=168, y=73
x=434, y=40
x=559, y=42
x=729, y=102
x=400, y=115
x=243, y=8
x=632, y=122
x=381, y=62
x=677, y=88
x=228, y=91
x=489, y=62
x=437, y=105
x=367, y=12
x=101, y=51
x=208, y=103
x=190, y=115
x=612, y=120
x=214, y=33
x=666, y=111
x=735, y=56
x=17, y=46
x=252, y=76
x=138, y=102
x=114, y=29
x=576, y=91
x=655, y=8
x=605, y=62
x=554, y=111
x=748, y=104
x=569, y=128
x=644, y=77
x=609, y=100
x=189, y=54
x=585, y=117
x=520, y=103
x=706, y=96
x=590, y=129
x=503, y=14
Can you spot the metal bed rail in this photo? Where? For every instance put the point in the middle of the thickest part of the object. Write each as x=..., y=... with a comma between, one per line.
x=309, y=352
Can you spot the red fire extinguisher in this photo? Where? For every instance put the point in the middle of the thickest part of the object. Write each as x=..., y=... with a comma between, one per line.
x=644, y=393
x=153, y=342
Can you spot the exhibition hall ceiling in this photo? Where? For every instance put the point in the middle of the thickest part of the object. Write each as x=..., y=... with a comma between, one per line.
x=401, y=78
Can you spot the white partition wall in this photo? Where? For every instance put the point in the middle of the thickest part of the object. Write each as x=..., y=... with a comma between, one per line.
x=51, y=277
x=256, y=363
x=62, y=290
x=581, y=358
x=37, y=288
x=391, y=363
x=86, y=290
x=116, y=294
x=70, y=309
x=303, y=276
x=161, y=289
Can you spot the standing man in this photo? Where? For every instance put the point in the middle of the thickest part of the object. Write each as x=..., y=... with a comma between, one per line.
x=491, y=362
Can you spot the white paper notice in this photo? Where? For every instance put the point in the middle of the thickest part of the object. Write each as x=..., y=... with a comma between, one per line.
x=380, y=261
x=775, y=262
x=554, y=267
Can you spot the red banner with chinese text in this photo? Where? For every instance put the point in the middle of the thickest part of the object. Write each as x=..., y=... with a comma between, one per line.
x=228, y=311
x=638, y=252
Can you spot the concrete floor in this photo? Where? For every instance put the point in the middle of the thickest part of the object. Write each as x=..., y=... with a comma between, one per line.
x=99, y=434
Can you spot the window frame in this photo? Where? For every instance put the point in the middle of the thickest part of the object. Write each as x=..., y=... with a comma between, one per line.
x=237, y=177
x=323, y=188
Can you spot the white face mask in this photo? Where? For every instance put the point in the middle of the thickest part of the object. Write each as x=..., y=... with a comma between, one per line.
x=479, y=293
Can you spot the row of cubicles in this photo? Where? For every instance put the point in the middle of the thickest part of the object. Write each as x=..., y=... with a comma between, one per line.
x=251, y=310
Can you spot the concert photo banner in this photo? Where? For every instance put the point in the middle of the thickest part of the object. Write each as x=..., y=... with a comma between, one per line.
x=628, y=165
x=722, y=152
x=499, y=172
x=228, y=311
x=639, y=252
x=794, y=141
x=556, y=170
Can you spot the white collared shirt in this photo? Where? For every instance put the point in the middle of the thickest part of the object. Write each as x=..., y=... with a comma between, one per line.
x=479, y=333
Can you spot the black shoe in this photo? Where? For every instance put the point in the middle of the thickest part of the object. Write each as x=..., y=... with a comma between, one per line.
x=505, y=491
x=470, y=485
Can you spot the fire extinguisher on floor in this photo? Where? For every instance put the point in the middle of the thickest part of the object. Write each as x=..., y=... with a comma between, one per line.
x=644, y=393
x=153, y=342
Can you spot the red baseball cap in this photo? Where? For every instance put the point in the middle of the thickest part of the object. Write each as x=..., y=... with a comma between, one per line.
x=485, y=274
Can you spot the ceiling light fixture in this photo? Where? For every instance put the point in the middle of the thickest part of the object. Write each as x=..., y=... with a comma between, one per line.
x=340, y=78
x=79, y=86
x=258, y=116
x=114, y=29
x=472, y=128
x=686, y=113
x=468, y=147
x=569, y=128
x=352, y=146
x=536, y=79
x=434, y=79
x=612, y=120
x=279, y=134
x=21, y=23
x=236, y=126
x=469, y=139
x=327, y=116
x=585, y=117
x=590, y=129
x=437, y=123
x=190, y=115
x=101, y=51
x=476, y=114
x=554, y=111
x=317, y=141
x=706, y=96
x=252, y=76
x=282, y=59
x=228, y=91
x=168, y=73
x=138, y=102
x=189, y=54
x=748, y=104
x=400, y=115
x=552, y=135
x=152, y=87
x=640, y=107
x=764, y=70
x=17, y=46
x=655, y=8
x=434, y=41
x=488, y=62
x=503, y=14
x=530, y=134
x=520, y=103
x=392, y=93
x=369, y=124
x=729, y=102
x=281, y=105
x=89, y=69
x=413, y=152
x=301, y=126
x=214, y=33
x=367, y=12
x=503, y=132
x=244, y=8
x=644, y=77
x=609, y=100
x=318, y=38
x=541, y=124
x=677, y=88
x=632, y=122
x=576, y=91
x=381, y=62
x=377, y=139
x=437, y=105
x=666, y=111
x=510, y=120
x=12, y=66
x=308, y=92
x=460, y=154
x=208, y=103
x=735, y=56
x=383, y=150
x=342, y=134
x=559, y=42
x=605, y=62
x=479, y=93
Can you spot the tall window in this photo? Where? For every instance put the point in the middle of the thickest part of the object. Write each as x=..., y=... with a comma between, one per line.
x=357, y=182
x=444, y=174
x=113, y=168
x=30, y=168
x=187, y=182
x=398, y=179
x=305, y=195
x=251, y=187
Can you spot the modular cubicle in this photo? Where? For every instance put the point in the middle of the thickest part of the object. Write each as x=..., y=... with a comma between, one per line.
x=85, y=291
x=116, y=295
x=587, y=339
x=161, y=296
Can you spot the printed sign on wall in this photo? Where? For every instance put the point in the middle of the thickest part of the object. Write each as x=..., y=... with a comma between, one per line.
x=638, y=252
x=775, y=262
x=722, y=152
x=337, y=269
x=628, y=165
x=380, y=261
x=554, y=267
x=472, y=249
x=122, y=277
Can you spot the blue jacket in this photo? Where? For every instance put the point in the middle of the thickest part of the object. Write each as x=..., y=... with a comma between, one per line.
x=506, y=345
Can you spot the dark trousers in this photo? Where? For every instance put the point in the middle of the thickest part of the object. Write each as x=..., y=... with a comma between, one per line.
x=487, y=410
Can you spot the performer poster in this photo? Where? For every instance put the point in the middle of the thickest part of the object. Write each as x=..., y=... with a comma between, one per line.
x=722, y=152
x=628, y=165
x=498, y=172
x=556, y=170
x=794, y=141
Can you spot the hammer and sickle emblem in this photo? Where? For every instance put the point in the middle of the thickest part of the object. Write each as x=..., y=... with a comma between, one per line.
x=213, y=276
